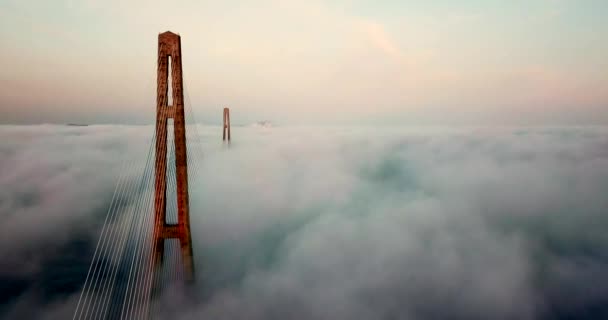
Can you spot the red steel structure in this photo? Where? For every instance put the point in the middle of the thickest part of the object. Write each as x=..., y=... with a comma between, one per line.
x=226, y=124
x=169, y=52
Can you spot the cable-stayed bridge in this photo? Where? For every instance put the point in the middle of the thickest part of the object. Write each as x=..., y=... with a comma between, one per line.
x=145, y=244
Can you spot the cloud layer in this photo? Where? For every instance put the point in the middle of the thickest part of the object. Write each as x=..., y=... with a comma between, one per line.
x=331, y=222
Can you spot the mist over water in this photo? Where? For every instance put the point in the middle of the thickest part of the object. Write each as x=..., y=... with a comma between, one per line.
x=329, y=222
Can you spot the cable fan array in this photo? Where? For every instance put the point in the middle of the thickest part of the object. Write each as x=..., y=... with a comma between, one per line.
x=121, y=281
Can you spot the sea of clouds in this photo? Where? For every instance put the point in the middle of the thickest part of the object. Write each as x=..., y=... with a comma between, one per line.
x=328, y=222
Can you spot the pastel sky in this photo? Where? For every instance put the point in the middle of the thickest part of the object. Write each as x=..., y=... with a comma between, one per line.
x=344, y=61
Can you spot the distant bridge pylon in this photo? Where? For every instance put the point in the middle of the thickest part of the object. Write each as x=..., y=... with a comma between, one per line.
x=226, y=127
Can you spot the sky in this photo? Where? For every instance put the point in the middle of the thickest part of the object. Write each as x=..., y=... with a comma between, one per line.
x=311, y=62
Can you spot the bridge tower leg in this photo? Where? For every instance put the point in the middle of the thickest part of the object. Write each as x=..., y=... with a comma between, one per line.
x=226, y=124
x=169, y=47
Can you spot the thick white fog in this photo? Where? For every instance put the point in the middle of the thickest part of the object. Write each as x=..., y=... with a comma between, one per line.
x=329, y=222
